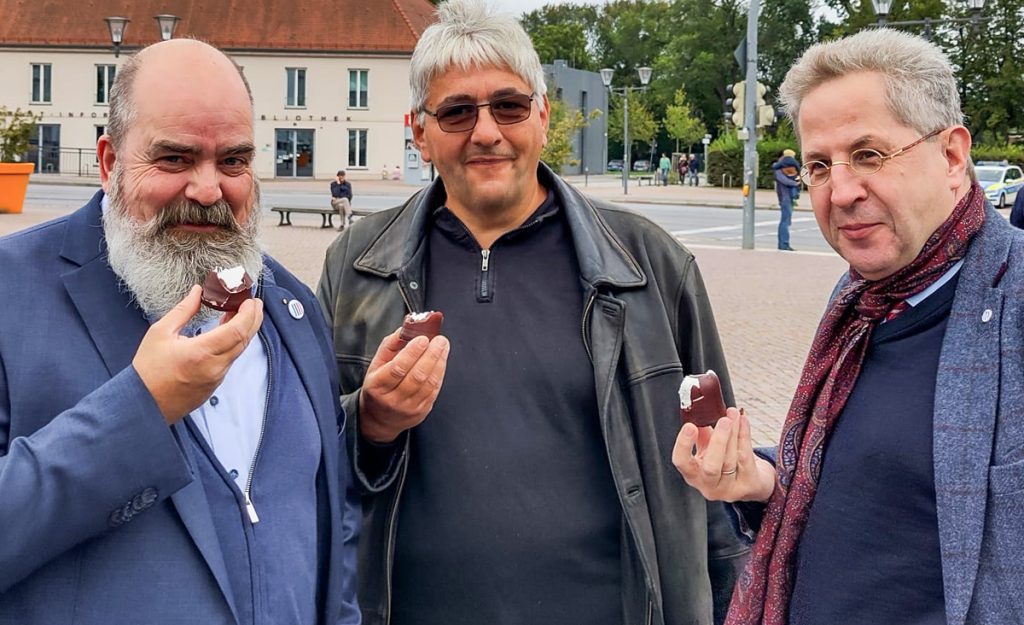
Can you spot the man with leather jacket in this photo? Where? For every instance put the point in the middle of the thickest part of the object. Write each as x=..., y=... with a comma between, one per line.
x=527, y=478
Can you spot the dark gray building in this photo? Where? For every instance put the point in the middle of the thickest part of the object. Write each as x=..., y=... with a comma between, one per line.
x=583, y=91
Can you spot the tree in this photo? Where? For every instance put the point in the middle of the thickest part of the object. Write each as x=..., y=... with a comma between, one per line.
x=563, y=31
x=563, y=124
x=643, y=126
x=16, y=128
x=680, y=123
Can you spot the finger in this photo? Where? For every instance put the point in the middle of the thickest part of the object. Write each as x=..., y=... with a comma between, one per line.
x=744, y=445
x=387, y=350
x=682, y=454
x=714, y=456
x=729, y=465
x=182, y=313
x=229, y=339
x=703, y=439
x=428, y=371
x=391, y=374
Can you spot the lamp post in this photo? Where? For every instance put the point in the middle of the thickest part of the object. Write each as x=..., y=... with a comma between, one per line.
x=166, y=23
x=116, y=25
x=606, y=78
x=974, y=7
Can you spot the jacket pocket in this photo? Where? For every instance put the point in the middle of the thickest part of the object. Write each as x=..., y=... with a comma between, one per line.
x=1007, y=480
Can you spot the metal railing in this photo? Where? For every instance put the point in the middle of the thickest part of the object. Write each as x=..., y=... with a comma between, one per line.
x=80, y=162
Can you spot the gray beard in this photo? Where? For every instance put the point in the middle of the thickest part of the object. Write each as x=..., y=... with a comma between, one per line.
x=157, y=266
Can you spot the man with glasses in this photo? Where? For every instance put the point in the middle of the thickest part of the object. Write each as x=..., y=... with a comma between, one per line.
x=899, y=486
x=533, y=485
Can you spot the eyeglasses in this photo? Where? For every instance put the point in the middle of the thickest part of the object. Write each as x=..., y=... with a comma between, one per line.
x=864, y=161
x=462, y=116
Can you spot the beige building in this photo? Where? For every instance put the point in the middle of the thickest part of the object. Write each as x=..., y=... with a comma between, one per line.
x=329, y=77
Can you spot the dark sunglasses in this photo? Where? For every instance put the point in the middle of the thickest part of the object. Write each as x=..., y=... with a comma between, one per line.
x=462, y=116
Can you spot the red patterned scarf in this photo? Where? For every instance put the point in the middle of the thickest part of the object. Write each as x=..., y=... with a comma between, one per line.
x=763, y=592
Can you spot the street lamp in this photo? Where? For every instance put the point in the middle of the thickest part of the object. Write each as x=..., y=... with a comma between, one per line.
x=166, y=23
x=606, y=78
x=116, y=25
x=974, y=7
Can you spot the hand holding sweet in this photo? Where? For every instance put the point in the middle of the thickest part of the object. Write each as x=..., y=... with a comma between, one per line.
x=720, y=462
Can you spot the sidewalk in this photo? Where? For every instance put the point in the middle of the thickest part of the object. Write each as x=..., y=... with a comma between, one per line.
x=607, y=187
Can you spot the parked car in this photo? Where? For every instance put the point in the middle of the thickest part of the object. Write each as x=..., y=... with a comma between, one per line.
x=642, y=165
x=1000, y=180
x=615, y=164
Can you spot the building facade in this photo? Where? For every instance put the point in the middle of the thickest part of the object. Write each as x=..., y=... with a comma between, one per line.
x=329, y=78
x=583, y=91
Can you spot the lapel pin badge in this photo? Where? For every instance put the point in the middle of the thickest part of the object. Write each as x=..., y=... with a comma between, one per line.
x=295, y=309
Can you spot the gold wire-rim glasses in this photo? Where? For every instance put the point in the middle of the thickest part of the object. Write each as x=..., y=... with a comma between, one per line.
x=864, y=161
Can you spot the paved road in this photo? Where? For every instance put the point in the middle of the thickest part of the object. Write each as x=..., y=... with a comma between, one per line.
x=700, y=225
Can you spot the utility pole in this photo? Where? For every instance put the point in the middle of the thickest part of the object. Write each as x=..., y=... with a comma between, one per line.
x=751, y=112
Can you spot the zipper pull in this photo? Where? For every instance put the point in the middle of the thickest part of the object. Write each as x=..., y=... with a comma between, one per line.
x=251, y=509
x=486, y=255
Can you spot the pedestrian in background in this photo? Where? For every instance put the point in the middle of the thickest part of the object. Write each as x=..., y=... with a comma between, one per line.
x=341, y=199
x=664, y=165
x=694, y=168
x=683, y=168
x=787, y=187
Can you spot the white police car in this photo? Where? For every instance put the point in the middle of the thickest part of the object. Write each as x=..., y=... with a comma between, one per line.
x=1000, y=180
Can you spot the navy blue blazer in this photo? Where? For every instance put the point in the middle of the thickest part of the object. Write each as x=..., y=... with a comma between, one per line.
x=101, y=518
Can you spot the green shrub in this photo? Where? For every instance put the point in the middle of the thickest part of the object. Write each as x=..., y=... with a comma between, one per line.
x=725, y=156
x=1014, y=154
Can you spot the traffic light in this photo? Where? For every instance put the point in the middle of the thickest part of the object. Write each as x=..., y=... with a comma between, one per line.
x=738, y=103
x=765, y=112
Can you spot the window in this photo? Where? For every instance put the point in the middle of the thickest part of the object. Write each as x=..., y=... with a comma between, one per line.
x=296, y=87
x=104, y=81
x=357, y=148
x=358, y=86
x=41, y=83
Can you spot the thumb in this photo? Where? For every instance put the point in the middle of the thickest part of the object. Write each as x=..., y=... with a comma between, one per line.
x=182, y=312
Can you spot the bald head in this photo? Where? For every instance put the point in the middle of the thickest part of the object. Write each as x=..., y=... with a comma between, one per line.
x=178, y=68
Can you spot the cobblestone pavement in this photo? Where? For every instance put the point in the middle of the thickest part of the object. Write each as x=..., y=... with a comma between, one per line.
x=766, y=303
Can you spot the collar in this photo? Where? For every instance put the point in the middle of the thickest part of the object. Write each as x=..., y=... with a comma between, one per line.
x=917, y=298
x=602, y=257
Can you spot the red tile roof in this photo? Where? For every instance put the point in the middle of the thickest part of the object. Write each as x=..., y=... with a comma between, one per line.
x=382, y=26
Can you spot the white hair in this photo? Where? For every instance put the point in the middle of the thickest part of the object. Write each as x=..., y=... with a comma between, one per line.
x=470, y=33
x=921, y=89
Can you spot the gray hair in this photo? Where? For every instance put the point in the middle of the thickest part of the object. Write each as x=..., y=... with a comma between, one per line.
x=921, y=90
x=470, y=33
x=122, y=101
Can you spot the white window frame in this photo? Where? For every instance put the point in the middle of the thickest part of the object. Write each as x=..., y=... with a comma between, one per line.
x=362, y=77
x=104, y=82
x=358, y=137
x=295, y=97
x=45, y=83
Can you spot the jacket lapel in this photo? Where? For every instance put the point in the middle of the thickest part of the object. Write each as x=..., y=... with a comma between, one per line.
x=116, y=326
x=966, y=400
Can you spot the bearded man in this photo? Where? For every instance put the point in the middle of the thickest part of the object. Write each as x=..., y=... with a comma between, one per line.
x=157, y=464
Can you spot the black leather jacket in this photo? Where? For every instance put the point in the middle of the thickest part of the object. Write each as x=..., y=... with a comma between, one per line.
x=647, y=322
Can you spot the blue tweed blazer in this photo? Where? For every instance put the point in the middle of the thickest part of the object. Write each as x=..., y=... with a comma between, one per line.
x=978, y=437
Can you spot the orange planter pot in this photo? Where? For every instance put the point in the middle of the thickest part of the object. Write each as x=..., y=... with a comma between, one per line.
x=13, y=185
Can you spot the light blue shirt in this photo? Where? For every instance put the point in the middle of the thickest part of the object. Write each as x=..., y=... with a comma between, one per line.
x=914, y=300
x=231, y=420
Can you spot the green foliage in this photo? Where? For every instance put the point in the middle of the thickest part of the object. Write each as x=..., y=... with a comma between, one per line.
x=1014, y=154
x=680, y=124
x=643, y=127
x=690, y=43
x=16, y=128
x=563, y=125
x=563, y=31
x=725, y=156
